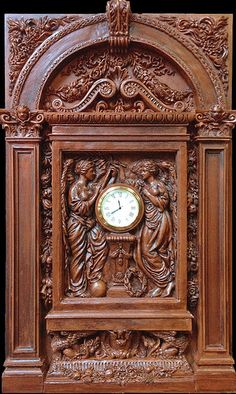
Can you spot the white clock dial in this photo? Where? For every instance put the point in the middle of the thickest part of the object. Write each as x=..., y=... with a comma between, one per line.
x=119, y=207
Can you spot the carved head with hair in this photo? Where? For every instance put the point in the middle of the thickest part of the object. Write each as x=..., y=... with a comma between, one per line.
x=85, y=167
x=22, y=113
x=145, y=168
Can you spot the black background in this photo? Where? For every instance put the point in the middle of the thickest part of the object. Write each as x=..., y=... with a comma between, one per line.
x=86, y=7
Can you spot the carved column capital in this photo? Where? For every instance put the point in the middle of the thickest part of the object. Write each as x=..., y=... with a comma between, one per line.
x=118, y=12
x=21, y=123
x=216, y=122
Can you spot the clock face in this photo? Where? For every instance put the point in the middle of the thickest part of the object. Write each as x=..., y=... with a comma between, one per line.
x=119, y=207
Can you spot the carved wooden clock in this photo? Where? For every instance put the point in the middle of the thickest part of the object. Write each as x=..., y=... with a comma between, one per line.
x=118, y=155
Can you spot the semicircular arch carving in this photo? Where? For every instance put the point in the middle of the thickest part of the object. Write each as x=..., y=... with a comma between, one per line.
x=50, y=56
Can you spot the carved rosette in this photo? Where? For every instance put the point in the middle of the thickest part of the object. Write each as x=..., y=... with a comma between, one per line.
x=118, y=12
x=46, y=229
x=106, y=356
x=21, y=123
x=25, y=35
x=215, y=123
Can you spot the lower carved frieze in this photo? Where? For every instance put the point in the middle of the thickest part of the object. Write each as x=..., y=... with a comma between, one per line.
x=119, y=357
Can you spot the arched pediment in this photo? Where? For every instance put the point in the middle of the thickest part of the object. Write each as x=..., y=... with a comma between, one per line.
x=192, y=77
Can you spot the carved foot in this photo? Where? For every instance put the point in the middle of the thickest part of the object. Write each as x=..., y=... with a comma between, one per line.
x=168, y=289
x=156, y=292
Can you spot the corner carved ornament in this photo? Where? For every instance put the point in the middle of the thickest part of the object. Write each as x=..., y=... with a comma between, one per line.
x=215, y=123
x=22, y=123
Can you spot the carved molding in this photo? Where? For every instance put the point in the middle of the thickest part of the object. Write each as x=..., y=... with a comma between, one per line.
x=120, y=118
x=46, y=224
x=25, y=35
x=106, y=356
x=118, y=12
x=216, y=122
x=21, y=123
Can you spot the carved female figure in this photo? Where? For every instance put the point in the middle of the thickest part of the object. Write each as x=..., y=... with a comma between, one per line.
x=154, y=251
x=87, y=243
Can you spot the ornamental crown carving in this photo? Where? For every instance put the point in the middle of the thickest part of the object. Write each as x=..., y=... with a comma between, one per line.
x=216, y=122
x=22, y=123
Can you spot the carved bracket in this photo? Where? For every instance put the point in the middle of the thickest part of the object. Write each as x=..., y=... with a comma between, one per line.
x=118, y=12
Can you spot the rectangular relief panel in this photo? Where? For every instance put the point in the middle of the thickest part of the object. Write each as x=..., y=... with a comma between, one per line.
x=109, y=262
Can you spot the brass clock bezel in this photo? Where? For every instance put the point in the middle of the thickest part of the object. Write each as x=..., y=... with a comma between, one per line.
x=103, y=194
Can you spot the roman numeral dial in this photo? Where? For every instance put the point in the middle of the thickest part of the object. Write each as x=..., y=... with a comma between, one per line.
x=119, y=207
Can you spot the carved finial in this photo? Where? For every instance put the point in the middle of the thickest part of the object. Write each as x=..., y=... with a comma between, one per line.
x=118, y=12
x=216, y=122
x=21, y=123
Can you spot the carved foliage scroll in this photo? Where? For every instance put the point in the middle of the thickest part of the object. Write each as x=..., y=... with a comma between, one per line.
x=94, y=357
x=100, y=81
x=141, y=262
x=210, y=34
x=25, y=35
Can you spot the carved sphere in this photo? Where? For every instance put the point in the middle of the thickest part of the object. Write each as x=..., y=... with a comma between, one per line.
x=98, y=289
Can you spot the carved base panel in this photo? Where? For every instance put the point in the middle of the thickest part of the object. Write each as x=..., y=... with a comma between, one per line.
x=121, y=371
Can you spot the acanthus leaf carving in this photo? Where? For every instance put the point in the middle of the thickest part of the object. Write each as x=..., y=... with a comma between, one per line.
x=22, y=123
x=216, y=122
x=25, y=35
x=98, y=356
x=118, y=12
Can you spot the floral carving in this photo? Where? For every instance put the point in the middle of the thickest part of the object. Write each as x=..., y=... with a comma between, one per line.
x=210, y=34
x=193, y=195
x=131, y=83
x=118, y=20
x=107, y=356
x=21, y=123
x=25, y=35
x=46, y=217
x=216, y=122
x=142, y=263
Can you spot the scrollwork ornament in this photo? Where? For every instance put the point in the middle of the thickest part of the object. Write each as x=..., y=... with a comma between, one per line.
x=21, y=123
x=216, y=122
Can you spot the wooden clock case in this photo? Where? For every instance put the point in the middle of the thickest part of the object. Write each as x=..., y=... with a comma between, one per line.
x=137, y=99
